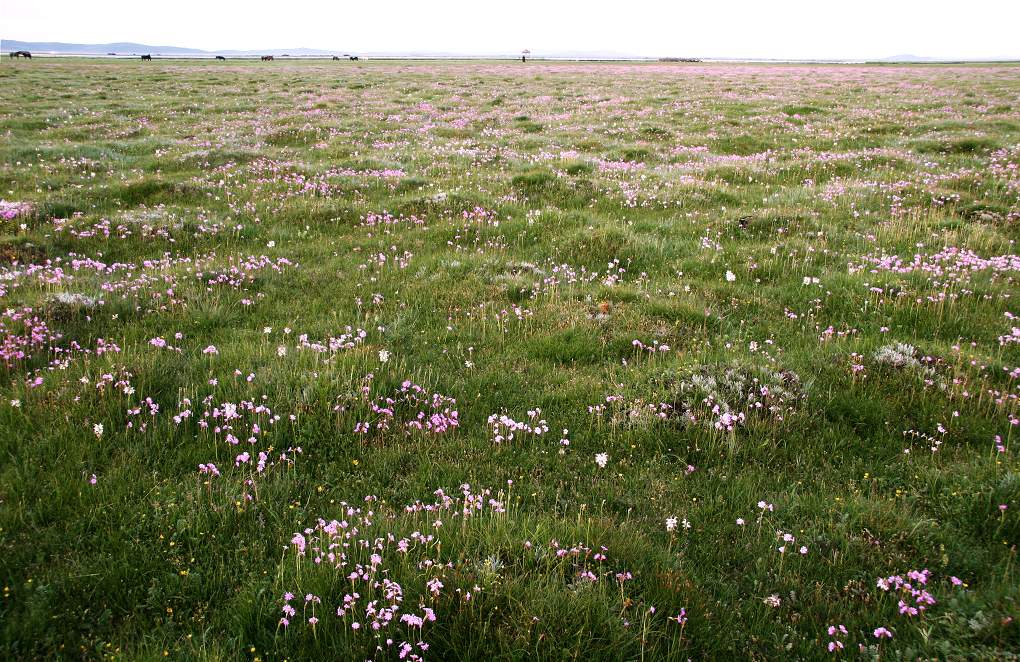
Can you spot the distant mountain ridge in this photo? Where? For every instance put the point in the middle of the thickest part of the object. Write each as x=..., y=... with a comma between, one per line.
x=911, y=58
x=132, y=48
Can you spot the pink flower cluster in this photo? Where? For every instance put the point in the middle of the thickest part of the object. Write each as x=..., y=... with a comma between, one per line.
x=915, y=599
x=504, y=428
x=349, y=339
x=11, y=210
x=651, y=349
x=22, y=334
x=410, y=407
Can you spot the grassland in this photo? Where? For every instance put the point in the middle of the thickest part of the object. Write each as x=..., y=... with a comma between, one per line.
x=316, y=360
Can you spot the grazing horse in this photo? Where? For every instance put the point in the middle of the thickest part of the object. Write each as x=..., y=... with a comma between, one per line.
x=26, y=54
x=146, y=57
x=220, y=57
x=267, y=58
x=336, y=59
x=354, y=58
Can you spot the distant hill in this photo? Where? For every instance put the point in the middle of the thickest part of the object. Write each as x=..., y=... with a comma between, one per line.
x=125, y=48
x=131, y=48
x=128, y=48
x=906, y=58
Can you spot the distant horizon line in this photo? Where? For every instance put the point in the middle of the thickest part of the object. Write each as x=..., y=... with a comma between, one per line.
x=104, y=49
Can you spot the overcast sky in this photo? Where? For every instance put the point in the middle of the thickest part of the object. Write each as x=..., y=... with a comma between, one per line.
x=708, y=28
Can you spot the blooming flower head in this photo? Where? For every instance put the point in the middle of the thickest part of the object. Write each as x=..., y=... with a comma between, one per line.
x=602, y=459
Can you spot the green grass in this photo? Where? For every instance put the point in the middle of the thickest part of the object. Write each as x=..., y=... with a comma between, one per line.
x=524, y=240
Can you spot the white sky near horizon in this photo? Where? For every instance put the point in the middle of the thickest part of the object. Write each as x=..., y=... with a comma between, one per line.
x=844, y=29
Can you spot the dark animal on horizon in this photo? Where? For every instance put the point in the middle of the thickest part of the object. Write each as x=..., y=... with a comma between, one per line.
x=25, y=54
x=354, y=58
x=336, y=59
x=267, y=58
x=146, y=57
x=220, y=57
x=524, y=58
